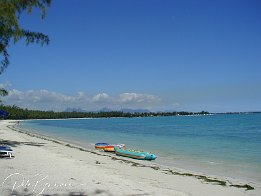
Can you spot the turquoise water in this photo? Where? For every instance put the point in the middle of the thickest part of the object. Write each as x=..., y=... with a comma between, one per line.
x=226, y=145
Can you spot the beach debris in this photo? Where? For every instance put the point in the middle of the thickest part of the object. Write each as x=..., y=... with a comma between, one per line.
x=210, y=180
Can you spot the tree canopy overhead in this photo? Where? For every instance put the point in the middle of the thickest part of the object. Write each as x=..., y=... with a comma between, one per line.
x=10, y=29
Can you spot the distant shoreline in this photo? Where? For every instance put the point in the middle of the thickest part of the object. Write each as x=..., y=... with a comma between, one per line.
x=16, y=113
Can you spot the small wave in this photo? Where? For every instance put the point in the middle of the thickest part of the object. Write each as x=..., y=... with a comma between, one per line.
x=214, y=163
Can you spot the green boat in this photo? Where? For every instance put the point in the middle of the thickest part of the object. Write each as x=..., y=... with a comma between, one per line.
x=136, y=154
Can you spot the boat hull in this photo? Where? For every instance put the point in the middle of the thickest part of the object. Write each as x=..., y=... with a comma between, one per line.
x=109, y=148
x=130, y=155
x=101, y=145
x=134, y=154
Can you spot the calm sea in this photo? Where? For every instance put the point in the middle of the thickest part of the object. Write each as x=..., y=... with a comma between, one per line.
x=227, y=145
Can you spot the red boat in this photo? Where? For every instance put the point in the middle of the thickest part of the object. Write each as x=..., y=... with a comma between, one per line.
x=109, y=148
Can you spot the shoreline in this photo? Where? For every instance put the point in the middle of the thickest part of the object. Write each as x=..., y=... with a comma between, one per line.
x=206, y=167
x=168, y=181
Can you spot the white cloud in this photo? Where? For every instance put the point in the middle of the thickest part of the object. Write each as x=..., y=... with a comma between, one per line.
x=81, y=94
x=48, y=100
x=101, y=97
x=137, y=98
x=176, y=104
x=5, y=85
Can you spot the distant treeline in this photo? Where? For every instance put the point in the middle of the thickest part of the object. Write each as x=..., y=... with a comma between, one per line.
x=20, y=113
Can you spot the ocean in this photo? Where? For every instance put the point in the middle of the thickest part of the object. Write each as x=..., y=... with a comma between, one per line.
x=223, y=145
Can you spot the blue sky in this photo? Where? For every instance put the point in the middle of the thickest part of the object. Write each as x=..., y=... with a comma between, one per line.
x=153, y=54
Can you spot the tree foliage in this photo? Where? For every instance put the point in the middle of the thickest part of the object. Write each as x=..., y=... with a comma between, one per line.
x=20, y=113
x=3, y=92
x=10, y=29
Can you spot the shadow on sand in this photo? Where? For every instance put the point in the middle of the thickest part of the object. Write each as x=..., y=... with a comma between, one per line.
x=96, y=192
x=14, y=143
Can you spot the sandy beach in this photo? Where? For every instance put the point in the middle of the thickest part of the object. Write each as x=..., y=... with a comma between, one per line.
x=46, y=166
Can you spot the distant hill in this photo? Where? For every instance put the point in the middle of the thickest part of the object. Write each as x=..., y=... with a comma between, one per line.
x=106, y=110
x=74, y=110
x=125, y=110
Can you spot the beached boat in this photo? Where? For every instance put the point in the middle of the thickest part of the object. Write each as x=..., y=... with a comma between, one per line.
x=110, y=148
x=101, y=145
x=136, y=154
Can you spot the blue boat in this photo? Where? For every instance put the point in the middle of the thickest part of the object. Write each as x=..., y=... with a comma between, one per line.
x=136, y=154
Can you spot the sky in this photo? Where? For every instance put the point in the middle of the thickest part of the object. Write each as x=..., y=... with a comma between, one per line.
x=161, y=55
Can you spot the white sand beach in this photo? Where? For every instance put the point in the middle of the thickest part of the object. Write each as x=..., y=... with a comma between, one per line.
x=45, y=166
